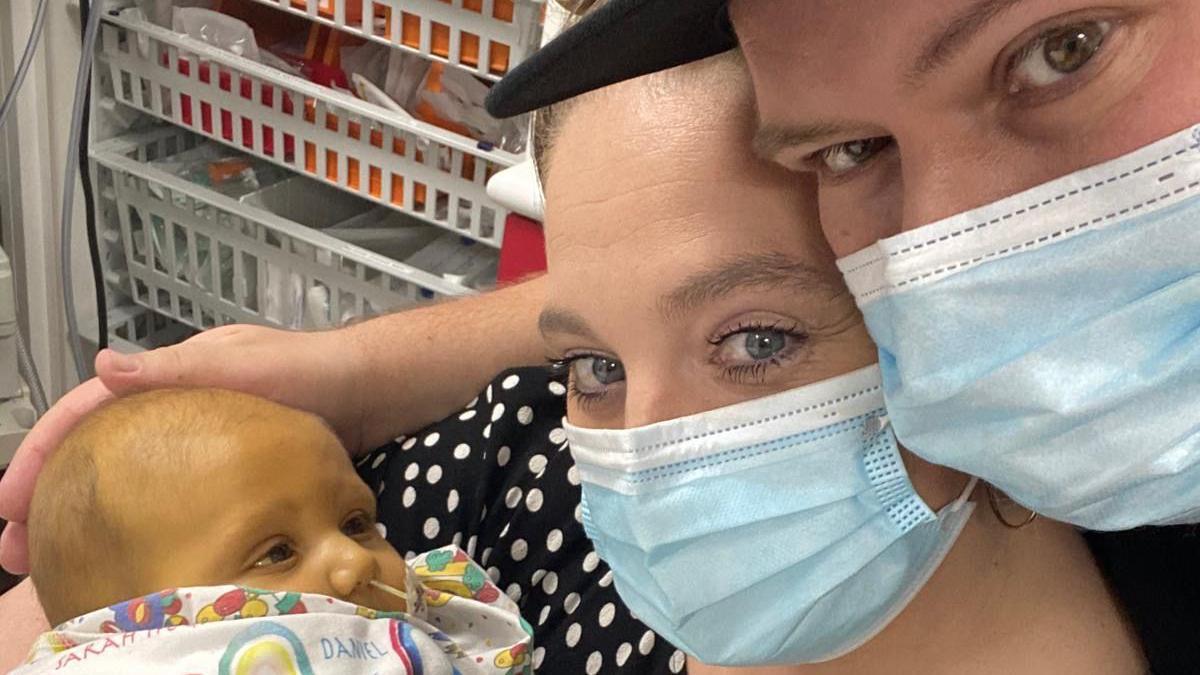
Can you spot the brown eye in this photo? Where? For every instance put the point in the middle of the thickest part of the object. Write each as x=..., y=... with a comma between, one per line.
x=277, y=554
x=358, y=525
x=843, y=157
x=1056, y=54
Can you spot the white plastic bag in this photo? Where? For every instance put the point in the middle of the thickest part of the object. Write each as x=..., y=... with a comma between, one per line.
x=217, y=29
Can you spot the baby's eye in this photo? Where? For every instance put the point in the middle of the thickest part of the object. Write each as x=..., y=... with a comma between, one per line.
x=843, y=157
x=277, y=554
x=359, y=525
x=1056, y=54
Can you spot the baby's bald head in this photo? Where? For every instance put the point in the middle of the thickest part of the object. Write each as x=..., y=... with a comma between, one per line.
x=135, y=457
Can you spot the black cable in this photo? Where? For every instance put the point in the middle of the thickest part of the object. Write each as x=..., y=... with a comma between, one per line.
x=89, y=206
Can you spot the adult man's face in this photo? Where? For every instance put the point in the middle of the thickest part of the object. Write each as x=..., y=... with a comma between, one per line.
x=913, y=111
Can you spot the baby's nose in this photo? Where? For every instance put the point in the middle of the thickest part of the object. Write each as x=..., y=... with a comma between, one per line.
x=351, y=567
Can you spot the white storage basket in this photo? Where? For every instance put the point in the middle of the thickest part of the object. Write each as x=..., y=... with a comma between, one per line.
x=486, y=37
x=410, y=166
x=205, y=259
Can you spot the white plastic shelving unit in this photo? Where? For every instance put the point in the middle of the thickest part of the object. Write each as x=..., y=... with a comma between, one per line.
x=198, y=258
x=486, y=37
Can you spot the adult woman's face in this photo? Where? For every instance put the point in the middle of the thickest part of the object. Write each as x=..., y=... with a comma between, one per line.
x=909, y=112
x=684, y=274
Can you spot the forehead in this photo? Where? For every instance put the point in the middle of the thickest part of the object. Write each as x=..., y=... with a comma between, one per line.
x=648, y=164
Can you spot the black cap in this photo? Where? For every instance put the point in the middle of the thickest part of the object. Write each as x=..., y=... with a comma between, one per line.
x=620, y=40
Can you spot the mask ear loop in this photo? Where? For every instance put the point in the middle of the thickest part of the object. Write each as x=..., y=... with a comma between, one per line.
x=994, y=502
x=966, y=494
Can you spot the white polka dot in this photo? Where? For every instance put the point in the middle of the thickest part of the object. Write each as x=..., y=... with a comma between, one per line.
x=408, y=445
x=452, y=501
x=513, y=591
x=497, y=412
x=487, y=431
x=473, y=403
x=410, y=555
x=537, y=577
x=380, y=490
x=558, y=436
x=677, y=661
x=489, y=393
x=520, y=549
x=579, y=513
x=504, y=530
x=534, y=500
x=525, y=415
x=550, y=583
x=646, y=643
x=431, y=528
x=594, y=662
x=573, y=475
x=537, y=464
x=410, y=496
x=434, y=474
x=571, y=603
x=503, y=455
x=607, y=613
x=494, y=573
x=471, y=545
x=591, y=561
x=557, y=388
x=411, y=471
x=606, y=580
x=623, y=653
x=457, y=539
x=574, y=632
x=381, y=529
x=510, y=382
x=467, y=415
x=545, y=614
x=554, y=540
x=513, y=497
x=538, y=655
x=487, y=553
x=432, y=439
x=378, y=460
x=462, y=451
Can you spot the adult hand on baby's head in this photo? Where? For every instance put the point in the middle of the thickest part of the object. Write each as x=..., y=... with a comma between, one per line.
x=313, y=371
x=16, y=488
x=310, y=371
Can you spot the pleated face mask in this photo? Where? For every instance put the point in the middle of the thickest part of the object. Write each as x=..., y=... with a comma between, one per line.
x=778, y=531
x=1050, y=343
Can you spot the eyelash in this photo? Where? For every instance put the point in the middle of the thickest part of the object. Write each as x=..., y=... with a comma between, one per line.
x=560, y=368
x=756, y=372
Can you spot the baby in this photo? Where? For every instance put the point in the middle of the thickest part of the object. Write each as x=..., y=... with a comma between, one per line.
x=211, y=531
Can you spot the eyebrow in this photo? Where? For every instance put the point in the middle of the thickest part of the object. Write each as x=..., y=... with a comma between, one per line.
x=559, y=320
x=761, y=270
x=958, y=32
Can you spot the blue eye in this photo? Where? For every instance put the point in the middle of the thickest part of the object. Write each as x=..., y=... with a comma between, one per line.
x=760, y=345
x=592, y=374
x=746, y=352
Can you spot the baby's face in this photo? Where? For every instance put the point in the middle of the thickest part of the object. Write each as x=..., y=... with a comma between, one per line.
x=282, y=509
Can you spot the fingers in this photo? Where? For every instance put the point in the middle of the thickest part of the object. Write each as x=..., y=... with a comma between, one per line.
x=16, y=488
x=14, y=548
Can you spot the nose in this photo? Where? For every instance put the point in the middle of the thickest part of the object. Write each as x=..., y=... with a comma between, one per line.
x=663, y=396
x=349, y=567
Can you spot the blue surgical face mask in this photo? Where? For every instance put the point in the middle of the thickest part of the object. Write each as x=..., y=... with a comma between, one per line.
x=1050, y=343
x=777, y=531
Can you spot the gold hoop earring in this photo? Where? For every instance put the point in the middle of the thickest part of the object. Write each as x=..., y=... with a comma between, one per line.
x=994, y=502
